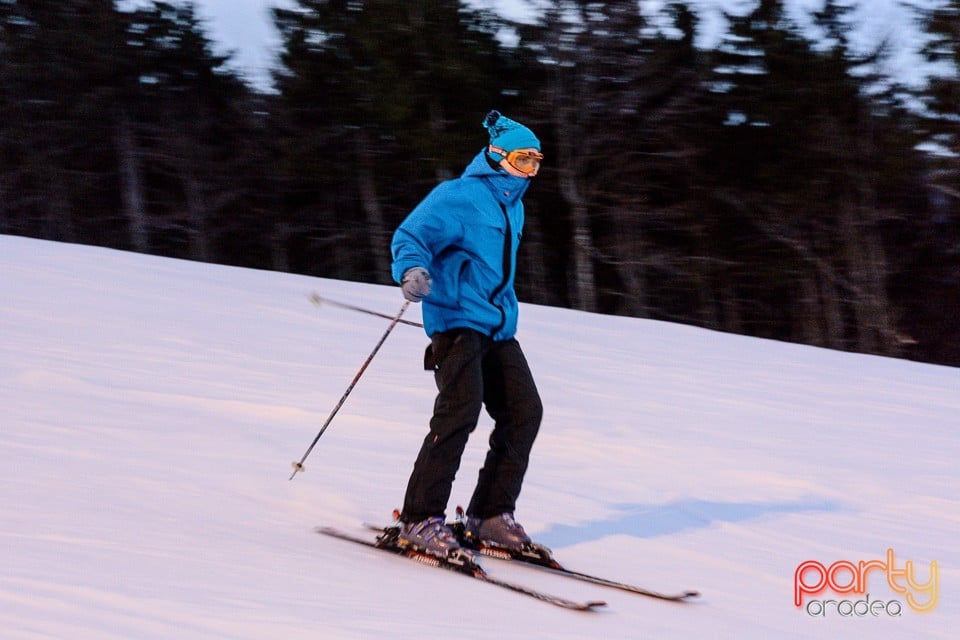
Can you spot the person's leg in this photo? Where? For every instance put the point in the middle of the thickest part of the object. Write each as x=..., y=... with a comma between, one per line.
x=458, y=356
x=513, y=402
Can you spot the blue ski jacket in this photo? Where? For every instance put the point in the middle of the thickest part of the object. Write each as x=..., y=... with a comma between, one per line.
x=466, y=233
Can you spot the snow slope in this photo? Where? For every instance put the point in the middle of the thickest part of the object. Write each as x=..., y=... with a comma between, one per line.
x=151, y=409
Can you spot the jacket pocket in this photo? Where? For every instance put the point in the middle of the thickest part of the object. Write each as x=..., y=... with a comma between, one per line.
x=447, y=271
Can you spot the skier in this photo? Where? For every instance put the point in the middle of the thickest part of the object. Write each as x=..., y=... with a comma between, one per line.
x=456, y=252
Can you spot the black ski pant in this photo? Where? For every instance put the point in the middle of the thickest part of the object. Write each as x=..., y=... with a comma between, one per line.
x=473, y=371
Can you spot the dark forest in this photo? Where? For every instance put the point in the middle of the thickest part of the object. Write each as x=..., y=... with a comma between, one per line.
x=775, y=186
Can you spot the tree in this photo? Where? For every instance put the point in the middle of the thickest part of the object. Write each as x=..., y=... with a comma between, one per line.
x=378, y=99
x=116, y=128
x=941, y=96
x=935, y=264
x=57, y=73
x=802, y=192
x=180, y=126
x=612, y=92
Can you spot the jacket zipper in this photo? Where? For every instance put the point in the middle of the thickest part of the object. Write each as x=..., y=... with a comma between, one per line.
x=507, y=268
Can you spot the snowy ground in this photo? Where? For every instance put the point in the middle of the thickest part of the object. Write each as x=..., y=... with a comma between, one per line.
x=151, y=409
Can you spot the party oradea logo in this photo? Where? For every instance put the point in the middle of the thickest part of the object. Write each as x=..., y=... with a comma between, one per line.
x=865, y=589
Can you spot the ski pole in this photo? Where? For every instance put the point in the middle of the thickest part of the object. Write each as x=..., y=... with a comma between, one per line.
x=317, y=299
x=298, y=466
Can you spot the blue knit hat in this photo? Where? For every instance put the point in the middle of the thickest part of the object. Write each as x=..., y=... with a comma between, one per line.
x=508, y=134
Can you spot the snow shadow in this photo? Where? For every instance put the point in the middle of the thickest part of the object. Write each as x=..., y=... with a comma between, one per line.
x=650, y=521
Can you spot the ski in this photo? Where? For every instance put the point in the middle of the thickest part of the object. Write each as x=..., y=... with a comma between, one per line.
x=540, y=557
x=535, y=555
x=462, y=563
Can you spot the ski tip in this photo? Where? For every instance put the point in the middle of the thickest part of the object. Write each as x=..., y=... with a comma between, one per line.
x=594, y=604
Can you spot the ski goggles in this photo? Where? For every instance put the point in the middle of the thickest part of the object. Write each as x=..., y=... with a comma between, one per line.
x=525, y=161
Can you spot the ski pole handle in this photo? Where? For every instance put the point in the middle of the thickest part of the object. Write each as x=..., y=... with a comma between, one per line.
x=298, y=465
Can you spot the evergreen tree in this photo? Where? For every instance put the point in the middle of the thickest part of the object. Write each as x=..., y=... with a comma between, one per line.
x=612, y=92
x=60, y=66
x=181, y=126
x=116, y=128
x=799, y=195
x=379, y=100
x=941, y=96
x=934, y=255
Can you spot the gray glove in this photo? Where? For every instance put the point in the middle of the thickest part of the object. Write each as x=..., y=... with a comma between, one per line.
x=415, y=284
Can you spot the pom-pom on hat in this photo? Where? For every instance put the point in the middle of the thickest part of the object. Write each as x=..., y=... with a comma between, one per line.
x=508, y=134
